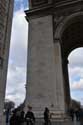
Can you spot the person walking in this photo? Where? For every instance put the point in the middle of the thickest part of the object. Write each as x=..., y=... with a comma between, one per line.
x=81, y=116
x=71, y=112
x=47, y=117
x=77, y=114
x=29, y=117
x=7, y=116
x=15, y=118
x=22, y=119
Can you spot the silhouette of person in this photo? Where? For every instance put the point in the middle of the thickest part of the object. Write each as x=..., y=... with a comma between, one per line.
x=47, y=116
x=81, y=116
x=72, y=114
x=77, y=115
x=15, y=118
x=22, y=119
x=29, y=117
x=7, y=116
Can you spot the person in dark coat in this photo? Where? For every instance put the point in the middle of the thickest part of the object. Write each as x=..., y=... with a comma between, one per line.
x=71, y=112
x=15, y=118
x=47, y=116
x=29, y=117
x=22, y=119
x=77, y=114
x=81, y=116
x=7, y=116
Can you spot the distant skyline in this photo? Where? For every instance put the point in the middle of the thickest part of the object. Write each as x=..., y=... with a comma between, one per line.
x=16, y=78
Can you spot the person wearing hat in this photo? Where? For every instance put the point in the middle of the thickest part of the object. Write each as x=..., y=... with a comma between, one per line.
x=29, y=117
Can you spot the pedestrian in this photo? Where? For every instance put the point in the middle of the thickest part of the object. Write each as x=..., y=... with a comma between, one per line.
x=46, y=117
x=81, y=116
x=29, y=117
x=7, y=116
x=22, y=119
x=15, y=118
x=72, y=113
x=77, y=115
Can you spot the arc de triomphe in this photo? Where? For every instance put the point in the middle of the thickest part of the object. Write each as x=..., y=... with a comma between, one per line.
x=55, y=29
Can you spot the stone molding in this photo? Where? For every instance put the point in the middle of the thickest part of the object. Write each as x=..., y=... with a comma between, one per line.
x=63, y=8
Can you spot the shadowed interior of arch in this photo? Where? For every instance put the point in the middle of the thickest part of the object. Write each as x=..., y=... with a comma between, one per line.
x=71, y=38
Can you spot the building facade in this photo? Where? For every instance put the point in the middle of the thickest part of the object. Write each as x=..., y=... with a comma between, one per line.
x=55, y=29
x=6, y=14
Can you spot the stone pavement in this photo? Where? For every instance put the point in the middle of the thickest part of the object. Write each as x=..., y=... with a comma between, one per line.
x=53, y=123
x=41, y=122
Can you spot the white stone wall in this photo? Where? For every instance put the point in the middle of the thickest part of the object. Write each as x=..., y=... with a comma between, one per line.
x=44, y=75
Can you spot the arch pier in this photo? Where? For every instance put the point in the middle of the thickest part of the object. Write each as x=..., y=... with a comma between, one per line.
x=55, y=29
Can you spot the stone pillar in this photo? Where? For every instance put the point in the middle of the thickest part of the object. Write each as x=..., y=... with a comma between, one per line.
x=66, y=82
x=2, y=28
x=6, y=9
x=44, y=74
x=59, y=79
x=41, y=73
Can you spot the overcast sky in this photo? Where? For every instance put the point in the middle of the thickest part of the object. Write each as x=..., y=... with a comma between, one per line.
x=16, y=78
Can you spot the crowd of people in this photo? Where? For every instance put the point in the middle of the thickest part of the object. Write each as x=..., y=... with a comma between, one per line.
x=76, y=115
x=19, y=118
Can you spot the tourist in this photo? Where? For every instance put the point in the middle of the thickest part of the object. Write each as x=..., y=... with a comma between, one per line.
x=15, y=118
x=81, y=116
x=29, y=117
x=47, y=116
x=71, y=114
x=22, y=120
x=7, y=116
x=77, y=115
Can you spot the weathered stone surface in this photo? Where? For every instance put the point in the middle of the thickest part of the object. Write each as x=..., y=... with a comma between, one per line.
x=49, y=42
x=41, y=63
x=6, y=11
x=45, y=82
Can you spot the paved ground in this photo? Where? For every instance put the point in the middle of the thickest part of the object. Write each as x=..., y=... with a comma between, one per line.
x=58, y=123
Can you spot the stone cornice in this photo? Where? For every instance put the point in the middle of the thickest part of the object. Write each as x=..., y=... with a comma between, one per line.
x=52, y=8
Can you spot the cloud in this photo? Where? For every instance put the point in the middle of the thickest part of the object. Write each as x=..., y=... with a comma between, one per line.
x=20, y=4
x=16, y=78
x=77, y=85
x=76, y=74
x=76, y=58
x=19, y=38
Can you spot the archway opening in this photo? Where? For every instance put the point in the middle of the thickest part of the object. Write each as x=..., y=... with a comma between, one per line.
x=75, y=68
x=71, y=38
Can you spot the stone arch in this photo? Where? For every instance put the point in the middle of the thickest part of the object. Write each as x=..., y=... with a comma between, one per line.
x=73, y=22
x=74, y=40
x=66, y=21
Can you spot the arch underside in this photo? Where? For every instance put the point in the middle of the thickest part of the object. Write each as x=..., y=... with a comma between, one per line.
x=72, y=36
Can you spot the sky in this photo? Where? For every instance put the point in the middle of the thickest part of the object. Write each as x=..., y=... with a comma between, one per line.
x=16, y=78
x=76, y=74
